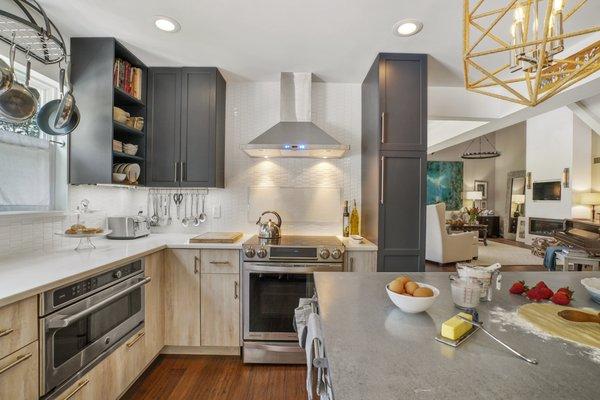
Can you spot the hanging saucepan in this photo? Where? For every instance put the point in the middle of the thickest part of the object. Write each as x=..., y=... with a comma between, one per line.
x=17, y=104
x=33, y=90
x=6, y=76
x=67, y=104
x=47, y=114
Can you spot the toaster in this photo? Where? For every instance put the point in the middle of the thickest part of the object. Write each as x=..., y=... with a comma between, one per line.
x=128, y=227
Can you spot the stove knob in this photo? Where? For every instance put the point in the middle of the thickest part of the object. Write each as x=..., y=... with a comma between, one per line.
x=250, y=252
x=117, y=274
x=336, y=254
x=262, y=252
x=324, y=254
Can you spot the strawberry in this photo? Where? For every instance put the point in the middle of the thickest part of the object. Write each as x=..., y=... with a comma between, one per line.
x=561, y=299
x=535, y=294
x=545, y=292
x=518, y=288
x=567, y=291
x=540, y=284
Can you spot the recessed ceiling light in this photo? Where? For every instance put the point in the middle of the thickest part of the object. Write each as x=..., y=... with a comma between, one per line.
x=407, y=27
x=166, y=24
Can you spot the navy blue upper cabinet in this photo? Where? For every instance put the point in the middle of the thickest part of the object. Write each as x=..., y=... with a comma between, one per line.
x=186, y=127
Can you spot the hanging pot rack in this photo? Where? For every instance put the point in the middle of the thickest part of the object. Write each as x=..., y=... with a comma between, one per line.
x=33, y=32
x=480, y=154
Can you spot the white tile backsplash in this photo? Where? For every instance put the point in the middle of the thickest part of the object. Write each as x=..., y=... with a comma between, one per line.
x=251, y=109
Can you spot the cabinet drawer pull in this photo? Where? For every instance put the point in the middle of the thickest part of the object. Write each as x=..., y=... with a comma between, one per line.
x=220, y=262
x=77, y=389
x=135, y=339
x=236, y=290
x=19, y=360
x=382, y=127
x=351, y=264
x=5, y=332
x=196, y=261
x=382, y=179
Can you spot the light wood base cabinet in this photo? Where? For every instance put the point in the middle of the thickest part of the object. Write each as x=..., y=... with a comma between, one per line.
x=155, y=312
x=220, y=304
x=19, y=374
x=361, y=261
x=182, y=297
x=18, y=325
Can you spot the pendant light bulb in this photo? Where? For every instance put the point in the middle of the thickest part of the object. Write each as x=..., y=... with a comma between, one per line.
x=557, y=5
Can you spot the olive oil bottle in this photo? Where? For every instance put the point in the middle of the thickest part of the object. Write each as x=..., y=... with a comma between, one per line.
x=346, y=220
x=354, y=220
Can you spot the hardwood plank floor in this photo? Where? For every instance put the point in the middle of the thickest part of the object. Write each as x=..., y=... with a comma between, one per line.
x=181, y=377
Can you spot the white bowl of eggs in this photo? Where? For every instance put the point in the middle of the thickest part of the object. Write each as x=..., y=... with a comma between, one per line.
x=411, y=297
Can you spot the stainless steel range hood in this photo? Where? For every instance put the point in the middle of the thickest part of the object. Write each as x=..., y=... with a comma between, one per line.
x=296, y=135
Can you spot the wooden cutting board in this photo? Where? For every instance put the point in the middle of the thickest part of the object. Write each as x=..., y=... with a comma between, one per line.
x=217, y=237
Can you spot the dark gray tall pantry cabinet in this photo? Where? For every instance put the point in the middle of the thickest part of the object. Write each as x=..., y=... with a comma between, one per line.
x=394, y=160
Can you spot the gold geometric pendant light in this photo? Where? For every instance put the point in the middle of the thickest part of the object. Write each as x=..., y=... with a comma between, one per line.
x=526, y=51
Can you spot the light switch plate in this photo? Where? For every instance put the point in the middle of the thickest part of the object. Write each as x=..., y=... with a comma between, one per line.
x=216, y=211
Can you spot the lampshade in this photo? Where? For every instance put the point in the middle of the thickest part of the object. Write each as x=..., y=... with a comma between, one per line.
x=518, y=198
x=590, y=199
x=474, y=195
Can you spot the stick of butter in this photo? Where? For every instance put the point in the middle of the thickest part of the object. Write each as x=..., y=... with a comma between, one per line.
x=455, y=327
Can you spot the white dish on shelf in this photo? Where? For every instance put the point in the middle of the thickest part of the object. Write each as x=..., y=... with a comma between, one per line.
x=133, y=172
x=118, y=177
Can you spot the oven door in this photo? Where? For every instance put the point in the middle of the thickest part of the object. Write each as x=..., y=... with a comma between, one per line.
x=76, y=335
x=271, y=293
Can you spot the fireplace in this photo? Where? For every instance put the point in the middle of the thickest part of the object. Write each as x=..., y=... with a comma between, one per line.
x=545, y=226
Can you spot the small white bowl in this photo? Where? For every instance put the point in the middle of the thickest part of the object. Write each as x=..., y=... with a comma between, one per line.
x=118, y=177
x=413, y=305
x=592, y=285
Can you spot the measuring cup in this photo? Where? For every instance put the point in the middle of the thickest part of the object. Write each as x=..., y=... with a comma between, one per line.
x=488, y=276
x=466, y=292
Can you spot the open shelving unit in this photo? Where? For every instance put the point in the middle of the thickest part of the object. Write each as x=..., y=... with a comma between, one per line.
x=90, y=145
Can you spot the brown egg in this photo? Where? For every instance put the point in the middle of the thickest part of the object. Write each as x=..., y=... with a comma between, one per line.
x=410, y=287
x=423, y=292
x=403, y=279
x=397, y=287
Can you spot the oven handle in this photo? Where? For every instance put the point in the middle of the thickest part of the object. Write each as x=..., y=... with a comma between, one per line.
x=293, y=270
x=64, y=322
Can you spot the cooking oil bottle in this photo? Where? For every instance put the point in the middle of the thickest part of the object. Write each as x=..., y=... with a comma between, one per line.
x=354, y=220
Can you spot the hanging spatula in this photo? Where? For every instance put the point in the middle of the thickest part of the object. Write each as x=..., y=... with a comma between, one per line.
x=579, y=316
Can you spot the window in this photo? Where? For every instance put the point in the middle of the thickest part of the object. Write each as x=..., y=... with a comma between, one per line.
x=30, y=160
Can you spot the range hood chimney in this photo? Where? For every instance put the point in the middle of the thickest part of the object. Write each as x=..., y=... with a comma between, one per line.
x=296, y=135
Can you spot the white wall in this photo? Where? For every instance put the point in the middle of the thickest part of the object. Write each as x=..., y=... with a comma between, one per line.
x=558, y=140
x=510, y=142
x=481, y=170
x=251, y=109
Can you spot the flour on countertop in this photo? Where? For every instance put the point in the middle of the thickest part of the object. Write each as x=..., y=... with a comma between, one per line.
x=500, y=316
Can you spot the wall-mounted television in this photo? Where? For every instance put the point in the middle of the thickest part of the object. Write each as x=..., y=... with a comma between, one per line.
x=547, y=190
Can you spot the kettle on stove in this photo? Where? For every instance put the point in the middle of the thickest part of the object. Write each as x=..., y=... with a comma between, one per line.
x=269, y=230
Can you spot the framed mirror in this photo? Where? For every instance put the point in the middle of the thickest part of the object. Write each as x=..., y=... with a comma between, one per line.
x=515, y=202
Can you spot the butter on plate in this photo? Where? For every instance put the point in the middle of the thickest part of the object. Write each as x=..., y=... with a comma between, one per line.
x=455, y=327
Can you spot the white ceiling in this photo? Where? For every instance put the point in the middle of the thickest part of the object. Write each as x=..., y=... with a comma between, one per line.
x=256, y=39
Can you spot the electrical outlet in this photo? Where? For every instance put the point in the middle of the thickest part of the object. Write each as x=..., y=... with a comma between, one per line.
x=216, y=211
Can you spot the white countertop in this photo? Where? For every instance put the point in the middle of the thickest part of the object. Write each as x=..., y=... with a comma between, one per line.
x=24, y=275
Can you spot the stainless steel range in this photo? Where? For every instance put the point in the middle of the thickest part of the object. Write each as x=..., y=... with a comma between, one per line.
x=276, y=274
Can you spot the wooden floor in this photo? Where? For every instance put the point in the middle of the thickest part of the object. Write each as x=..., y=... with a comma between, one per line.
x=182, y=377
x=433, y=267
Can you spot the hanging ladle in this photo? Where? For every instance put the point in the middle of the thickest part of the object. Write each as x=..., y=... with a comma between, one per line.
x=202, y=216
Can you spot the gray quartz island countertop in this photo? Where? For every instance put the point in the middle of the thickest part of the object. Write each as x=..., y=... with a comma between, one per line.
x=376, y=351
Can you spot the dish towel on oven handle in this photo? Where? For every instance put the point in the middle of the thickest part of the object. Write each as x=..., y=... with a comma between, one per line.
x=306, y=306
x=315, y=358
